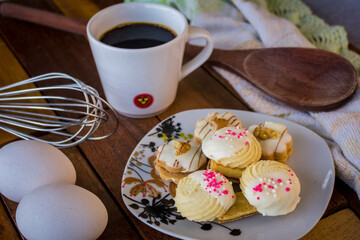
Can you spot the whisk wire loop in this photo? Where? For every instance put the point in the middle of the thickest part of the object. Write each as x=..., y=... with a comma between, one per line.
x=71, y=119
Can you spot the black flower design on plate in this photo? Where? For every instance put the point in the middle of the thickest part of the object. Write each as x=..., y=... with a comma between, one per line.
x=207, y=226
x=151, y=146
x=162, y=210
x=158, y=210
x=169, y=128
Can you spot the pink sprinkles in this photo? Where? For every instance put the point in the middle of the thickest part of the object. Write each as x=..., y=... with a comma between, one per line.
x=273, y=187
x=214, y=184
x=233, y=133
x=258, y=188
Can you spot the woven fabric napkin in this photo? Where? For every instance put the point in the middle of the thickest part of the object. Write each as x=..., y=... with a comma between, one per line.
x=239, y=24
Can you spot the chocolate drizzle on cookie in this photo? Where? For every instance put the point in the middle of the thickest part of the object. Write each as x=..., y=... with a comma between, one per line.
x=176, y=164
x=177, y=158
x=277, y=145
x=213, y=122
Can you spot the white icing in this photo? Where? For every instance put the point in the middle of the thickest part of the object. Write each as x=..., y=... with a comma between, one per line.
x=278, y=197
x=191, y=160
x=268, y=146
x=225, y=142
x=224, y=191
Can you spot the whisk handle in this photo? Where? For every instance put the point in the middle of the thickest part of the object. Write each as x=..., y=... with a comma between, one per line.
x=42, y=17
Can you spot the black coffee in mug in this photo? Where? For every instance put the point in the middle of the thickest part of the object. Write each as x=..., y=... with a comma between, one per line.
x=138, y=35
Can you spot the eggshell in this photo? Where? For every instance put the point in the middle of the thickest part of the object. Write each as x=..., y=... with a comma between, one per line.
x=28, y=164
x=61, y=211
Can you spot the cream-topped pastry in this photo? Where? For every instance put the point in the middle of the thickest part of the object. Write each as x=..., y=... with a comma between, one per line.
x=204, y=195
x=270, y=186
x=232, y=147
x=177, y=159
x=275, y=141
x=214, y=121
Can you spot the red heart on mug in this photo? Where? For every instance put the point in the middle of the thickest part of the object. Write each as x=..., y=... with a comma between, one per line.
x=143, y=100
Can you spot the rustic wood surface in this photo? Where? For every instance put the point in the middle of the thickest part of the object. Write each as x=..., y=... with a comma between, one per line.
x=29, y=50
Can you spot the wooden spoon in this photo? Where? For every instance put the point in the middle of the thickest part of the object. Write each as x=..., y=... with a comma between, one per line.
x=305, y=79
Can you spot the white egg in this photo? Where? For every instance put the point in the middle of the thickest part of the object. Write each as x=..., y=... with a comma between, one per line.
x=28, y=164
x=61, y=211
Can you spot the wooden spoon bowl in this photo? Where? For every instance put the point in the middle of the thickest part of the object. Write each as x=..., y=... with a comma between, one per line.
x=306, y=79
x=303, y=78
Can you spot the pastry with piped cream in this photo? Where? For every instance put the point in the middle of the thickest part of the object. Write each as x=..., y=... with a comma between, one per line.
x=275, y=141
x=271, y=187
x=230, y=150
x=177, y=159
x=213, y=122
x=204, y=195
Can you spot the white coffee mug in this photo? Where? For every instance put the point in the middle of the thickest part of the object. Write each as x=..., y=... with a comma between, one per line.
x=143, y=82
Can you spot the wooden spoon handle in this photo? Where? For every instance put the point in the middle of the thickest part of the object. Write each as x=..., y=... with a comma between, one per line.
x=233, y=60
x=44, y=18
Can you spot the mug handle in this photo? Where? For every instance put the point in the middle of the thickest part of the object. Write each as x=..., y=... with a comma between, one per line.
x=195, y=33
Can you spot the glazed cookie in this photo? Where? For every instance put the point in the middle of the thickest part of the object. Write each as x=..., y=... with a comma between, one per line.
x=271, y=187
x=178, y=159
x=214, y=121
x=204, y=196
x=231, y=150
x=275, y=141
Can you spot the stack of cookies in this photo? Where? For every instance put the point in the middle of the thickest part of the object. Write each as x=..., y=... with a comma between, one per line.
x=223, y=153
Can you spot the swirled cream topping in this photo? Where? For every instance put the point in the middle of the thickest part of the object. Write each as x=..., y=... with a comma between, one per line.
x=270, y=186
x=204, y=195
x=185, y=156
x=232, y=146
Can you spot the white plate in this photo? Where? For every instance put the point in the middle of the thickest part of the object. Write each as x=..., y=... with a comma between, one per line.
x=311, y=160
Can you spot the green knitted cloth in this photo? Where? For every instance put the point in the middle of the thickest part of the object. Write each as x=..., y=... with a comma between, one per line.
x=320, y=34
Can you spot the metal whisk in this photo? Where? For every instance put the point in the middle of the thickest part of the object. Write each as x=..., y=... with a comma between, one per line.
x=25, y=109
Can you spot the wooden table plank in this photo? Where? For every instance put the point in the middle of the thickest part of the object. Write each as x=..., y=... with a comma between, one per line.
x=10, y=71
x=341, y=225
x=350, y=195
x=83, y=9
x=7, y=230
x=337, y=202
x=118, y=224
x=200, y=90
x=61, y=52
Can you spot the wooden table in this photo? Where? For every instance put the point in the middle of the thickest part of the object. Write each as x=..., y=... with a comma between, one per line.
x=28, y=50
